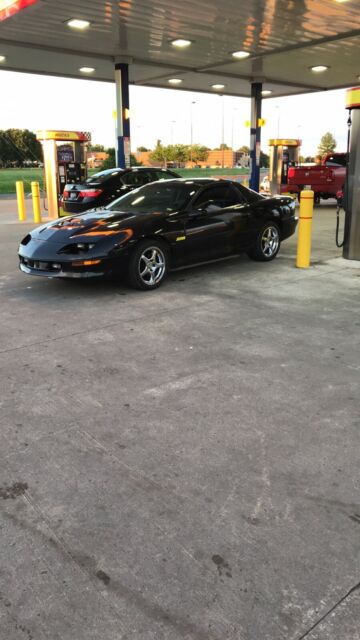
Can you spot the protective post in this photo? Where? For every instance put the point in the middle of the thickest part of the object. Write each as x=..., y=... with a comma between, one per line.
x=20, y=195
x=35, y=192
x=305, y=228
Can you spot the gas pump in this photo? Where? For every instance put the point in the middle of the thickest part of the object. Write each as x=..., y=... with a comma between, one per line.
x=284, y=153
x=351, y=244
x=64, y=163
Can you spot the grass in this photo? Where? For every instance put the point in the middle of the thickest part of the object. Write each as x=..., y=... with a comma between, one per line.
x=8, y=177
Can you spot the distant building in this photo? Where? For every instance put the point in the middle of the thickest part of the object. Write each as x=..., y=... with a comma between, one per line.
x=217, y=158
x=95, y=159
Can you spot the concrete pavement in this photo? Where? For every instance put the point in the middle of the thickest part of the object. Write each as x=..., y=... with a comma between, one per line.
x=181, y=464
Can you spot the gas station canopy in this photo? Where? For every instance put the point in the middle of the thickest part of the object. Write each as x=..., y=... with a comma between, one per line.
x=277, y=41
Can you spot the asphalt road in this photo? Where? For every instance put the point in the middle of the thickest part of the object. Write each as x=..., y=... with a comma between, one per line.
x=182, y=464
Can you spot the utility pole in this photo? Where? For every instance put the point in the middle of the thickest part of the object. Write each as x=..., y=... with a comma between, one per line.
x=191, y=130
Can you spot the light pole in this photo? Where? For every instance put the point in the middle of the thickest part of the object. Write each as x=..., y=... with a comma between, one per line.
x=232, y=133
x=191, y=130
x=222, y=131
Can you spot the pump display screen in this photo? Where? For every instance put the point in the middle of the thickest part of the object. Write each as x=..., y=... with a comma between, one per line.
x=65, y=153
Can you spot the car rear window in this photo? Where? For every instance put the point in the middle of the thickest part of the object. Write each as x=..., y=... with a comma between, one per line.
x=102, y=176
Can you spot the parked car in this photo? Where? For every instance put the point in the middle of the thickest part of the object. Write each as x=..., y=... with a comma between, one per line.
x=160, y=226
x=326, y=179
x=104, y=187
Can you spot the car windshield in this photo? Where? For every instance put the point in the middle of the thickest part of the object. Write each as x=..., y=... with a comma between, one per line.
x=161, y=197
x=102, y=176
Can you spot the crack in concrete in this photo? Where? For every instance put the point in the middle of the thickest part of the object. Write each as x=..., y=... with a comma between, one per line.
x=335, y=606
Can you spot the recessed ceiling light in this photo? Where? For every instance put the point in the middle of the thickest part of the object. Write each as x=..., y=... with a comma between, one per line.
x=266, y=92
x=87, y=69
x=76, y=23
x=175, y=81
x=240, y=54
x=218, y=86
x=319, y=68
x=341, y=1
x=180, y=42
x=2, y=58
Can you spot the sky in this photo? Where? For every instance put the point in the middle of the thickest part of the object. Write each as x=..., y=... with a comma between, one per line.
x=45, y=102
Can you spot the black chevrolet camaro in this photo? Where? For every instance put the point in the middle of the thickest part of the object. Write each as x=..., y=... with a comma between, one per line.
x=157, y=227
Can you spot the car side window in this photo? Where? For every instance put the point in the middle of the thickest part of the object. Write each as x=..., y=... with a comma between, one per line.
x=135, y=179
x=217, y=197
x=163, y=175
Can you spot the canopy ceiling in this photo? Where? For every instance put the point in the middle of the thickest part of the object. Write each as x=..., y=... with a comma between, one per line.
x=284, y=38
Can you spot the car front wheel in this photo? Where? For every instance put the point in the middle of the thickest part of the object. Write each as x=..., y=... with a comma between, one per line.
x=267, y=243
x=148, y=265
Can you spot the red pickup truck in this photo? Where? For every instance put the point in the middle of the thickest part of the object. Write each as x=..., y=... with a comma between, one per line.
x=326, y=179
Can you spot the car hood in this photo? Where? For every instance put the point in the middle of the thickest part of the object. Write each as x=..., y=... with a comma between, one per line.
x=91, y=224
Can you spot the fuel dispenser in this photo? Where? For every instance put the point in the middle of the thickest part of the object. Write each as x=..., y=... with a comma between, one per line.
x=351, y=243
x=284, y=153
x=64, y=163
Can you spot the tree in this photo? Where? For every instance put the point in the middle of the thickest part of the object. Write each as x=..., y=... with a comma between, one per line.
x=134, y=162
x=162, y=154
x=327, y=144
x=110, y=162
x=222, y=146
x=179, y=153
x=264, y=159
x=244, y=149
x=18, y=146
x=142, y=149
x=198, y=153
x=97, y=147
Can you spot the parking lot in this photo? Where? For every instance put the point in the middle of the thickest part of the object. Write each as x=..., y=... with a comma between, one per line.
x=183, y=463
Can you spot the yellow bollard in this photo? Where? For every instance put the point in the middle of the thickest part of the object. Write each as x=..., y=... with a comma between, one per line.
x=305, y=227
x=21, y=201
x=35, y=191
x=246, y=182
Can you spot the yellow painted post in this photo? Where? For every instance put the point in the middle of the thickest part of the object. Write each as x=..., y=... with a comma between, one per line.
x=305, y=227
x=246, y=182
x=20, y=200
x=35, y=191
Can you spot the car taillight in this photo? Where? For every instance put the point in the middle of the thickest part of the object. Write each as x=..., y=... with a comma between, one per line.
x=90, y=193
x=65, y=194
x=291, y=172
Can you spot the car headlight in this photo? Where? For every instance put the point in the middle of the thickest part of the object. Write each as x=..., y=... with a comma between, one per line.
x=78, y=248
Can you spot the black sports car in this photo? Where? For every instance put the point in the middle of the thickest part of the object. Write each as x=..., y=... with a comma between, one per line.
x=104, y=187
x=160, y=226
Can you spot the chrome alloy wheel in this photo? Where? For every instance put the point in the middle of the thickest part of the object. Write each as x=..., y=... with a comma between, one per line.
x=152, y=266
x=270, y=241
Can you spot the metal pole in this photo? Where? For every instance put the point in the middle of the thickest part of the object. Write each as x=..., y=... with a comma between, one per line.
x=122, y=115
x=255, y=135
x=191, y=130
x=222, y=131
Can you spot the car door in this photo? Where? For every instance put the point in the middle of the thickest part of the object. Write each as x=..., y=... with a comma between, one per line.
x=211, y=224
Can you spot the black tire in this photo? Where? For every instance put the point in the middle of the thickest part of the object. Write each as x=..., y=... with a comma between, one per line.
x=148, y=264
x=267, y=243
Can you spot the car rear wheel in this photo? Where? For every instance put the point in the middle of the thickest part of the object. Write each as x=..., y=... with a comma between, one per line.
x=148, y=265
x=267, y=243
